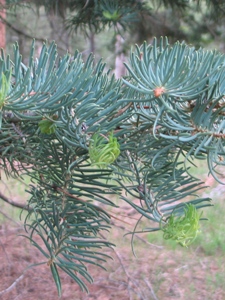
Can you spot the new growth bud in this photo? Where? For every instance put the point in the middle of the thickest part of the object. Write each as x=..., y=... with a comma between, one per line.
x=183, y=229
x=103, y=152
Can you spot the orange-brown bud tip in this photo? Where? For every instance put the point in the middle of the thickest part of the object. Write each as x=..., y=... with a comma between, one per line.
x=159, y=91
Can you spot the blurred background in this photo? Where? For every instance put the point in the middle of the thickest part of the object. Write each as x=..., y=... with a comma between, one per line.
x=109, y=28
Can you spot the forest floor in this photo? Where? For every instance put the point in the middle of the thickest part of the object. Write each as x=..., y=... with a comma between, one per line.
x=161, y=270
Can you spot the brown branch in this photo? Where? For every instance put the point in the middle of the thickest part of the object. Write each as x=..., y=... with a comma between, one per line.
x=12, y=285
x=150, y=288
x=20, y=32
x=201, y=130
x=131, y=281
x=58, y=189
x=217, y=106
x=11, y=202
x=122, y=110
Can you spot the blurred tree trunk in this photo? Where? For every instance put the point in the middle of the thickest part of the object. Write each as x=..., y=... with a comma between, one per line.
x=2, y=25
x=92, y=42
x=120, y=57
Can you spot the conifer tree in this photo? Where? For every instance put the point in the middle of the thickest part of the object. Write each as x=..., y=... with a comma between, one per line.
x=83, y=137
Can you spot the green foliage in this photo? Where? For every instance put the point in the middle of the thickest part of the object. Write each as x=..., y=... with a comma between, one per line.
x=5, y=87
x=184, y=100
x=183, y=229
x=68, y=241
x=64, y=120
x=47, y=126
x=102, y=153
x=99, y=14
